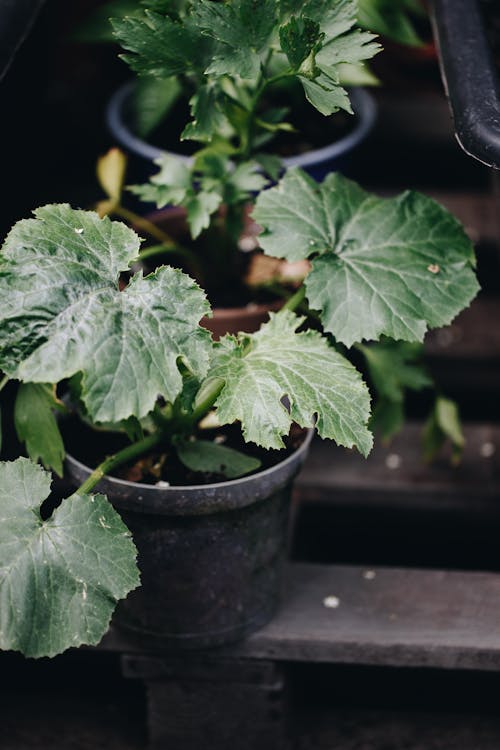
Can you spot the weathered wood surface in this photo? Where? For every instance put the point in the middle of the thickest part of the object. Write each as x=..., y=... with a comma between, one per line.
x=395, y=475
x=386, y=616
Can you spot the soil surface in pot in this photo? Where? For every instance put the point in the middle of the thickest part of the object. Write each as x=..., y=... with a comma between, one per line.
x=91, y=447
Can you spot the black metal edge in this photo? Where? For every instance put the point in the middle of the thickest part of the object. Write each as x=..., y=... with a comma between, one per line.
x=16, y=20
x=471, y=82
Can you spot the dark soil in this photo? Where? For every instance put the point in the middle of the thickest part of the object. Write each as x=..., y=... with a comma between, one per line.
x=91, y=446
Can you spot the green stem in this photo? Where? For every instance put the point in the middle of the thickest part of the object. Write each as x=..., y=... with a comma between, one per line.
x=3, y=382
x=112, y=462
x=169, y=245
x=209, y=399
x=296, y=299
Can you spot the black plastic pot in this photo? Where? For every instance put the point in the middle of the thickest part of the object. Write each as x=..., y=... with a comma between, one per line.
x=211, y=557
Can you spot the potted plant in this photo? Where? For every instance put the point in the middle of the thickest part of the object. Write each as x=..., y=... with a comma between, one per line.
x=191, y=439
x=248, y=86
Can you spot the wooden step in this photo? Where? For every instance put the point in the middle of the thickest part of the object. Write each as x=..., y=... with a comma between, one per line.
x=395, y=475
x=385, y=616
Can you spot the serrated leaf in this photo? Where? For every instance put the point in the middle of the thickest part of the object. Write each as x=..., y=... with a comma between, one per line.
x=36, y=425
x=161, y=46
x=60, y=579
x=208, y=118
x=381, y=266
x=261, y=369
x=242, y=28
x=200, y=208
x=62, y=313
x=325, y=94
x=340, y=43
x=299, y=37
x=207, y=456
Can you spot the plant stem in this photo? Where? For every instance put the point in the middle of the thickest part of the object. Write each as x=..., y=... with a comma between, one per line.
x=4, y=381
x=169, y=245
x=296, y=299
x=209, y=399
x=112, y=462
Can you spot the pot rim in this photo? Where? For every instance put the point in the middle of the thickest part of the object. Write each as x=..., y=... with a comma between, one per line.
x=197, y=499
x=363, y=105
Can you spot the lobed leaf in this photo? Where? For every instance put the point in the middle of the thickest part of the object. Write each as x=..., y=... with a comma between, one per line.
x=60, y=579
x=276, y=363
x=62, y=313
x=380, y=266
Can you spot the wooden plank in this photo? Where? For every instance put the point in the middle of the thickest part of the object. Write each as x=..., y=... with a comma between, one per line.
x=395, y=476
x=388, y=616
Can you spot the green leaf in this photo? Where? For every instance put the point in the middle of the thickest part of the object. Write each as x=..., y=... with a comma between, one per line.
x=443, y=424
x=261, y=369
x=205, y=456
x=387, y=418
x=339, y=43
x=97, y=27
x=200, y=208
x=390, y=18
x=242, y=28
x=161, y=46
x=36, y=425
x=62, y=313
x=153, y=99
x=208, y=118
x=60, y=579
x=325, y=94
x=298, y=38
x=395, y=366
x=391, y=267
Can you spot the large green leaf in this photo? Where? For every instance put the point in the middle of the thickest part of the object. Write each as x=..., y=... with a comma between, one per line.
x=36, y=425
x=60, y=579
x=62, y=313
x=379, y=266
x=261, y=369
x=242, y=28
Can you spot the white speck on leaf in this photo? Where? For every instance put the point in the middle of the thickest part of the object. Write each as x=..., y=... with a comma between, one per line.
x=79, y=231
x=433, y=268
x=331, y=602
